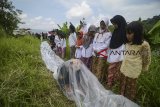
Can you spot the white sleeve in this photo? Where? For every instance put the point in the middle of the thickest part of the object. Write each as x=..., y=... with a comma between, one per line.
x=94, y=42
x=74, y=37
x=81, y=46
x=62, y=42
x=57, y=40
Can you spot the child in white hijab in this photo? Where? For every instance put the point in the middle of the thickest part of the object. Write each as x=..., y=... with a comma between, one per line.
x=100, y=46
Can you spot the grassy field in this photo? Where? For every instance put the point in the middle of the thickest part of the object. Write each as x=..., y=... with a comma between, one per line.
x=25, y=81
x=149, y=85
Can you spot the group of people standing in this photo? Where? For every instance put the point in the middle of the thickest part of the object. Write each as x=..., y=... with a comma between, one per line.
x=58, y=42
x=115, y=57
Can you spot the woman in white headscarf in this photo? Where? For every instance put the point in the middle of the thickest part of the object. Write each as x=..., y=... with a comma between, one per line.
x=100, y=45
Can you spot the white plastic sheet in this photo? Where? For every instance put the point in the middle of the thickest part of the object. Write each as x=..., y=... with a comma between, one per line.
x=79, y=84
x=49, y=57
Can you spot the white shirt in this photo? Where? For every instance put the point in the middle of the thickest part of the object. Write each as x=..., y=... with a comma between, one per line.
x=72, y=39
x=116, y=55
x=78, y=53
x=86, y=53
x=100, y=42
x=57, y=41
x=63, y=43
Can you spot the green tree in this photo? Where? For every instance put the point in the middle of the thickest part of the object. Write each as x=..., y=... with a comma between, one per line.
x=9, y=19
x=64, y=29
x=154, y=34
x=150, y=22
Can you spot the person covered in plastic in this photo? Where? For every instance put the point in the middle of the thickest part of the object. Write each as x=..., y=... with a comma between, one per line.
x=81, y=86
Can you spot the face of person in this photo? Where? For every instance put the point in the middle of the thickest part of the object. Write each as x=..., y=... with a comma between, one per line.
x=130, y=37
x=115, y=25
x=79, y=35
x=91, y=33
x=102, y=25
x=52, y=33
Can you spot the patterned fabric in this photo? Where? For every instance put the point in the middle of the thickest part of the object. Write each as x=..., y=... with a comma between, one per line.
x=94, y=63
x=87, y=62
x=99, y=67
x=136, y=60
x=128, y=87
x=113, y=73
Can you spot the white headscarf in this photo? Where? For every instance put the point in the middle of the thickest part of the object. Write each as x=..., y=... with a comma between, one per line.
x=106, y=21
x=84, y=22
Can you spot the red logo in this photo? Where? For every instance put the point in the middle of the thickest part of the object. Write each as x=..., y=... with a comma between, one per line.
x=100, y=53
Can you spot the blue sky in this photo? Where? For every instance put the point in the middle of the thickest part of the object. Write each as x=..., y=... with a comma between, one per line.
x=46, y=14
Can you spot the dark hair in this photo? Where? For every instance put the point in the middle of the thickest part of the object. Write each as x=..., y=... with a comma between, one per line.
x=136, y=28
x=72, y=28
x=119, y=34
x=119, y=20
x=61, y=33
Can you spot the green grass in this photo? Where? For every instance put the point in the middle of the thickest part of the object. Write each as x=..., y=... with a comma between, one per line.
x=24, y=79
x=149, y=85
